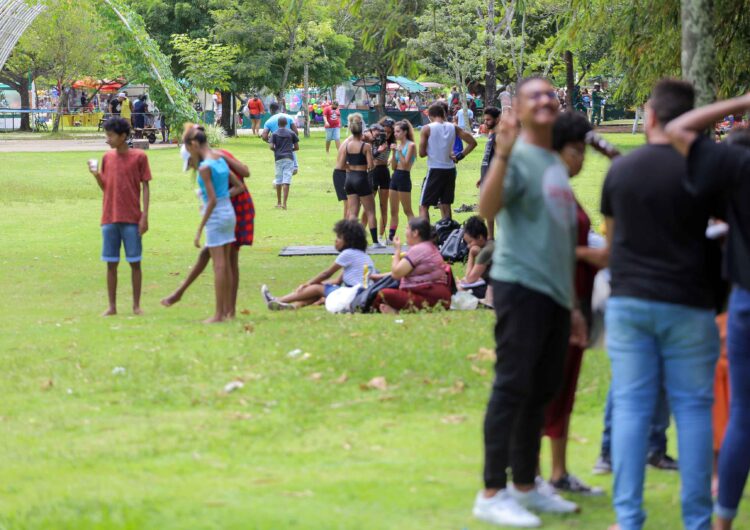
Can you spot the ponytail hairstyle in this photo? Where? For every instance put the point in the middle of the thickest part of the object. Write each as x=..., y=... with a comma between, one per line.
x=405, y=125
x=194, y=133
x=354, y=122
x=423, y=228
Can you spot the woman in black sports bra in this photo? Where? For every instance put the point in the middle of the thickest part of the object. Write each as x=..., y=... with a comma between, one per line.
x=356, y=155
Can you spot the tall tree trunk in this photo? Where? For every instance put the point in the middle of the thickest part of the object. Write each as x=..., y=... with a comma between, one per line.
x=306, y=99
x=569, y=79
x=62, y=103
x=698, y=53
x=227, y=112
x=381, y=94
x=288, y=65
x=460, y=82
x=490, y=72
x=25, y=104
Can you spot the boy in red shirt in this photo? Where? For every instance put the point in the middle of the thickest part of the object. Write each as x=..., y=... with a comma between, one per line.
x=123, y=173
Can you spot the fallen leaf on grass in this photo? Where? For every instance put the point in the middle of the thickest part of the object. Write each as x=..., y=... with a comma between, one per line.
x=174, y=273
x=355, y=334
x=376, y=383
x=242, y=416
x=480, y=371
x=484, y=354
x=248, y=328
x=347, y=446
x=454, y=419
x=340, y=380
x=316, y=376
x=305, y=493
x=458, y=387
x=245, y=312
x=48, y=384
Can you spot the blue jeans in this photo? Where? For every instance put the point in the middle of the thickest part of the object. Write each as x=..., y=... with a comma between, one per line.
x=654, y=345
x=657, y=433
x=734, y=457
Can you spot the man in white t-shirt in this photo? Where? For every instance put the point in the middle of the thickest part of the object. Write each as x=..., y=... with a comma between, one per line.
x=436, y=143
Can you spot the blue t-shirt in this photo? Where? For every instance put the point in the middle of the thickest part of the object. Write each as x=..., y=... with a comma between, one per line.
x=272, y=124
x=219, y=178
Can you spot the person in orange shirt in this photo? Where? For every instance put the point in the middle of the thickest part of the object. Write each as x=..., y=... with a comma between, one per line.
x=255, y=107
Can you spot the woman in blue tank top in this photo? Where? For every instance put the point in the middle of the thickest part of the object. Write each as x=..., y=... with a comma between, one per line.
x=218, y=217
x=402, y=158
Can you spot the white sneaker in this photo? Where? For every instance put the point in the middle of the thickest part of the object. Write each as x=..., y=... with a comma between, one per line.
x=543, y=501
x=544, y=487
x=502, y=509
x=378, y=245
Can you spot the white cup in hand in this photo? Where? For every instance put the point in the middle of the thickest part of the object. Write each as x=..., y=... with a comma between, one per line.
x=93, y=165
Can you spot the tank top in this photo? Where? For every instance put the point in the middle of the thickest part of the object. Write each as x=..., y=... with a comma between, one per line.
x=219, y=178
x=383, y=155
x=401, y=153
x=356, y=159
x=440, y=145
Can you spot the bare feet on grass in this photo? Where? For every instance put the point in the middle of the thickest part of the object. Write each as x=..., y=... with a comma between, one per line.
x=137, y=311
x=213, y=320
x=388, y=310
x=171, y=300
x=109, y=312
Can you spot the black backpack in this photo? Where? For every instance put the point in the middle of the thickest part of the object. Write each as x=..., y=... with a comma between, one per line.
x=444, y=228
x=454, y=247
x=362, y=303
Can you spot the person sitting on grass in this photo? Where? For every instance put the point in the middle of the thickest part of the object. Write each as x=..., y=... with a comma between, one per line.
x=422, y=272
x=283, y=143
x=124, y=175
x=480, y=258
x=351, y=242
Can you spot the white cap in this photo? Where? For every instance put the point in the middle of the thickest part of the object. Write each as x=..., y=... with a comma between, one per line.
x=185, y=157
x=121, y=95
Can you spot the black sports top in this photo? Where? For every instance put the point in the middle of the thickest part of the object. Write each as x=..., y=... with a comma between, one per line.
x=356, y=159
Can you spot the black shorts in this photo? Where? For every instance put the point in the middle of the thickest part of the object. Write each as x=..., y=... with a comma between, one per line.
x=358, y=183
x=255, y=116
x=339, y=183
x=381, y=178
x=401, y=181
x=439, y=187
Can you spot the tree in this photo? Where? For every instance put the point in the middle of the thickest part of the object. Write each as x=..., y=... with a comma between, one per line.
x=68, y=43
x=449, y=41
x=381, y=30
x=698, y=53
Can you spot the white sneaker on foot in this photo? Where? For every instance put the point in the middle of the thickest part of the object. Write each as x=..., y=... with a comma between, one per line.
x=542, y=500
x=502, y=509
x=544, y=487
x=267, y=296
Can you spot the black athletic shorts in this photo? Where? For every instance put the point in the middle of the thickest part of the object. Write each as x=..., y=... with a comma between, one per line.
x=358, y=183
x=401, y=181
x=381, y=178
x=339, y=183
x=439, y=187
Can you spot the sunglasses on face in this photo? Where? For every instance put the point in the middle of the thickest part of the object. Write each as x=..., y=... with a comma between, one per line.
x=537, y=95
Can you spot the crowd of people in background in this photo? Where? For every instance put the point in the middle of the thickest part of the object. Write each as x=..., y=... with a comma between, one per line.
x=531, y=258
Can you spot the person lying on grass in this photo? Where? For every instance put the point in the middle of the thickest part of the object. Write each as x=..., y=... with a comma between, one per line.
x=422, y=273
x=351, y=242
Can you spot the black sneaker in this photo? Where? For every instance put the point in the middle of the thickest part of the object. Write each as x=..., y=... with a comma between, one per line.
x=603, y=465
x=572, y=484
x=662, y=461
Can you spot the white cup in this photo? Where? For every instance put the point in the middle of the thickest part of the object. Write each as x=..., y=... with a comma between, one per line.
x=93, y=164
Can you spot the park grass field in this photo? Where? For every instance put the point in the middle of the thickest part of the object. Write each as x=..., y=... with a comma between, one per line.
x=122, y=423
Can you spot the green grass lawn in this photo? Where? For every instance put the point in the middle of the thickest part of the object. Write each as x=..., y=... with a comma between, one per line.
x=302, y=445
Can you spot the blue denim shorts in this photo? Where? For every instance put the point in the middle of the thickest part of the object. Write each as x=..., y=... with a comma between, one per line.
x=333, y=133
x=284, y=170
x=328, y=288
x=116, y=234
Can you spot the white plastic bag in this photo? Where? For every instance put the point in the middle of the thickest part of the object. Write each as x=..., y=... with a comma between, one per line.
x=464, y=301
x=340, y=300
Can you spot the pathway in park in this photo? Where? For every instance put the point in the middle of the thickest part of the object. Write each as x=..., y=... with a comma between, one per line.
x=46, y=146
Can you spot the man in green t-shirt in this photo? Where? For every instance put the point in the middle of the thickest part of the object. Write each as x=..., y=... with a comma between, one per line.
x=527, y=192
x=597, y=104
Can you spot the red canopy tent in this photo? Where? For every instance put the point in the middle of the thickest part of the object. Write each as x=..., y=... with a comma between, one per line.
x=102, y=85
